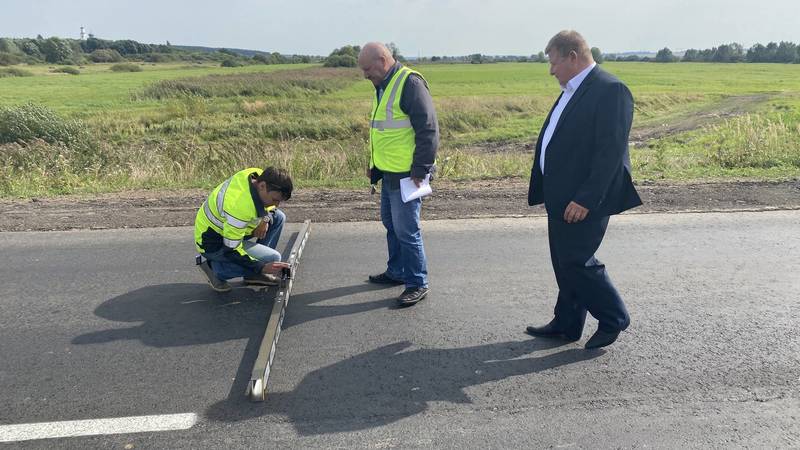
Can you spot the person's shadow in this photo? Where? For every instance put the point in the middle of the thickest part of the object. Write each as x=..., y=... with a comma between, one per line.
x=179, y=314
x=306, y=307
x=188, y=314
x=392, y=382
x=172, y=315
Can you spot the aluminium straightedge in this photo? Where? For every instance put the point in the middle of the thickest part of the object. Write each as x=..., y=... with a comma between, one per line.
x=257, y=387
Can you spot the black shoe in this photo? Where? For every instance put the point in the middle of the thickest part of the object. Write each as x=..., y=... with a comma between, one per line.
x=213, y=281
x=384, y=279
x=412, y=295
x=550, y=331
x=601, y=339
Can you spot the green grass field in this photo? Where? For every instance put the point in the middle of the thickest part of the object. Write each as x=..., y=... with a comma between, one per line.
x=179, y=125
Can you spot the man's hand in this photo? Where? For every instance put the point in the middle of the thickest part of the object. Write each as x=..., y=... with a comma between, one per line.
x=369, y=173
x=575, y=213
x=274, y=268
x=261, y=229
x=417, y=181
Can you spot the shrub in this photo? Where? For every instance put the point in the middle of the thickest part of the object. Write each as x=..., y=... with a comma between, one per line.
x=105, y=55
x=30, y=121
x=67, y=69
x=269, y=58
x=665, y=56
x=231, y=63
x=7, y=59
x=31, y=48
x=347, y=50
x=158, y=57
x=8, y=46
x=14, y=72
x=126, y=67
x=341, y=61
x=597, y=55
x=56, y=50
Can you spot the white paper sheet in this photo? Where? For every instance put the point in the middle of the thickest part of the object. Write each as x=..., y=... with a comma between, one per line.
x=409, y=191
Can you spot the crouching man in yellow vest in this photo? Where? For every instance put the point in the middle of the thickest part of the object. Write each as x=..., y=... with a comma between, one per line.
x=241, y=210
x=404, y=137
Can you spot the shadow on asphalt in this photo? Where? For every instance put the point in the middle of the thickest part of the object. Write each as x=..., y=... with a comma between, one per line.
x=368, y=390
x=178, y=314
x=393, y=382
x=304, y=308
x=172, y=315
x=183, y=314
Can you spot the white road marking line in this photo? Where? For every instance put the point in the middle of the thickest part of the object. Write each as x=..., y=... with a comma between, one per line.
x=73, y=428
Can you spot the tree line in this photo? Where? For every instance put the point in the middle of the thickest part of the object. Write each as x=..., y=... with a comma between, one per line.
x=347, y=56
x=773, y=52
x=55, y=50
x=784, y=52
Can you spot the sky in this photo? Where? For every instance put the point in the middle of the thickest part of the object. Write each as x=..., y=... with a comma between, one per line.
x=417, y=27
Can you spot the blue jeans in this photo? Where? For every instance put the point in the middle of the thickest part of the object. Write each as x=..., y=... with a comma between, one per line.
x=404, y=238
x=262, y=250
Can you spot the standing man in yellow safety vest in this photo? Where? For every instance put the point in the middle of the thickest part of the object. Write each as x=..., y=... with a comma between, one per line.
x=239, y=211
x=404, y=137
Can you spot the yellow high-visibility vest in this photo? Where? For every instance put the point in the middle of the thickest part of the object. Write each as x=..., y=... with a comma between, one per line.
x=391, y=135
x=230, y=212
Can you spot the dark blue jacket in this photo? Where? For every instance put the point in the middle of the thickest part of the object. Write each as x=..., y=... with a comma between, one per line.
x=587, y=159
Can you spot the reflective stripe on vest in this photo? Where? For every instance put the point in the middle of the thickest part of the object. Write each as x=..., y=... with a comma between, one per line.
x=221, y=197
x=210, y=216
x=234, y=218
x=391, y=124
x=391, y=133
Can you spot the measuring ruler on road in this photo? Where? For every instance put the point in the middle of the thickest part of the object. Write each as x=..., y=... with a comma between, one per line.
x=257, y=387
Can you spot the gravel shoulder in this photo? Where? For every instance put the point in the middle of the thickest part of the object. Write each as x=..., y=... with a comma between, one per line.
x=451, y=200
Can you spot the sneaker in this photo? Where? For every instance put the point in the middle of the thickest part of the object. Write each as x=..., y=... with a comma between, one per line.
x=261, y=280
x=213, y=281
x=384, y=279
x=412, y=295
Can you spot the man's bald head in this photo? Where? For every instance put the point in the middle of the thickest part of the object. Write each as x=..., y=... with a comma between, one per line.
x=375, y=60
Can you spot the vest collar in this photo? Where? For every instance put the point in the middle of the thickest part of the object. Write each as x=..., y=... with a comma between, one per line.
x=256, y=199
x=382, y=87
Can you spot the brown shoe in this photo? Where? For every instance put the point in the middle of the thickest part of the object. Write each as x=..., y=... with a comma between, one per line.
x=261, y=280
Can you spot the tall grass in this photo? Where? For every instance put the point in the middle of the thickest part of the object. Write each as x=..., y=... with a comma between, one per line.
x=141, y=130
x=126, y=67
x=754, y=141
x=14, y=72
x=288, y=83
x=763, y=145
x=30, y=121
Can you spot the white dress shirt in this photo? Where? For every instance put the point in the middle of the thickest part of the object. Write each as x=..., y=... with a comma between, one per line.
x=568, y=91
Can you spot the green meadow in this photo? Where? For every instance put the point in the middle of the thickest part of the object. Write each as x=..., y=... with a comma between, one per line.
x=179, y=125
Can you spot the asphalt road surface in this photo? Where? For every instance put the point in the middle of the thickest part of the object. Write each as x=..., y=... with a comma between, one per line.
x=113, y=336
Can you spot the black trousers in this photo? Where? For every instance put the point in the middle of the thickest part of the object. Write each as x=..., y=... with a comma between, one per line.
x=583, y=284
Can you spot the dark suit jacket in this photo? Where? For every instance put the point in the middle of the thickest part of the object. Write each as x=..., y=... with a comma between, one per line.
x=587, y=159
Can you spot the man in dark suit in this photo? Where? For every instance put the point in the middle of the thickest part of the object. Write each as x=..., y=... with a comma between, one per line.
x=581, y=173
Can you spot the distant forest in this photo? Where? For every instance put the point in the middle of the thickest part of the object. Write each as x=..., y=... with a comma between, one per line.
x=55, y=50
x=774, y=52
